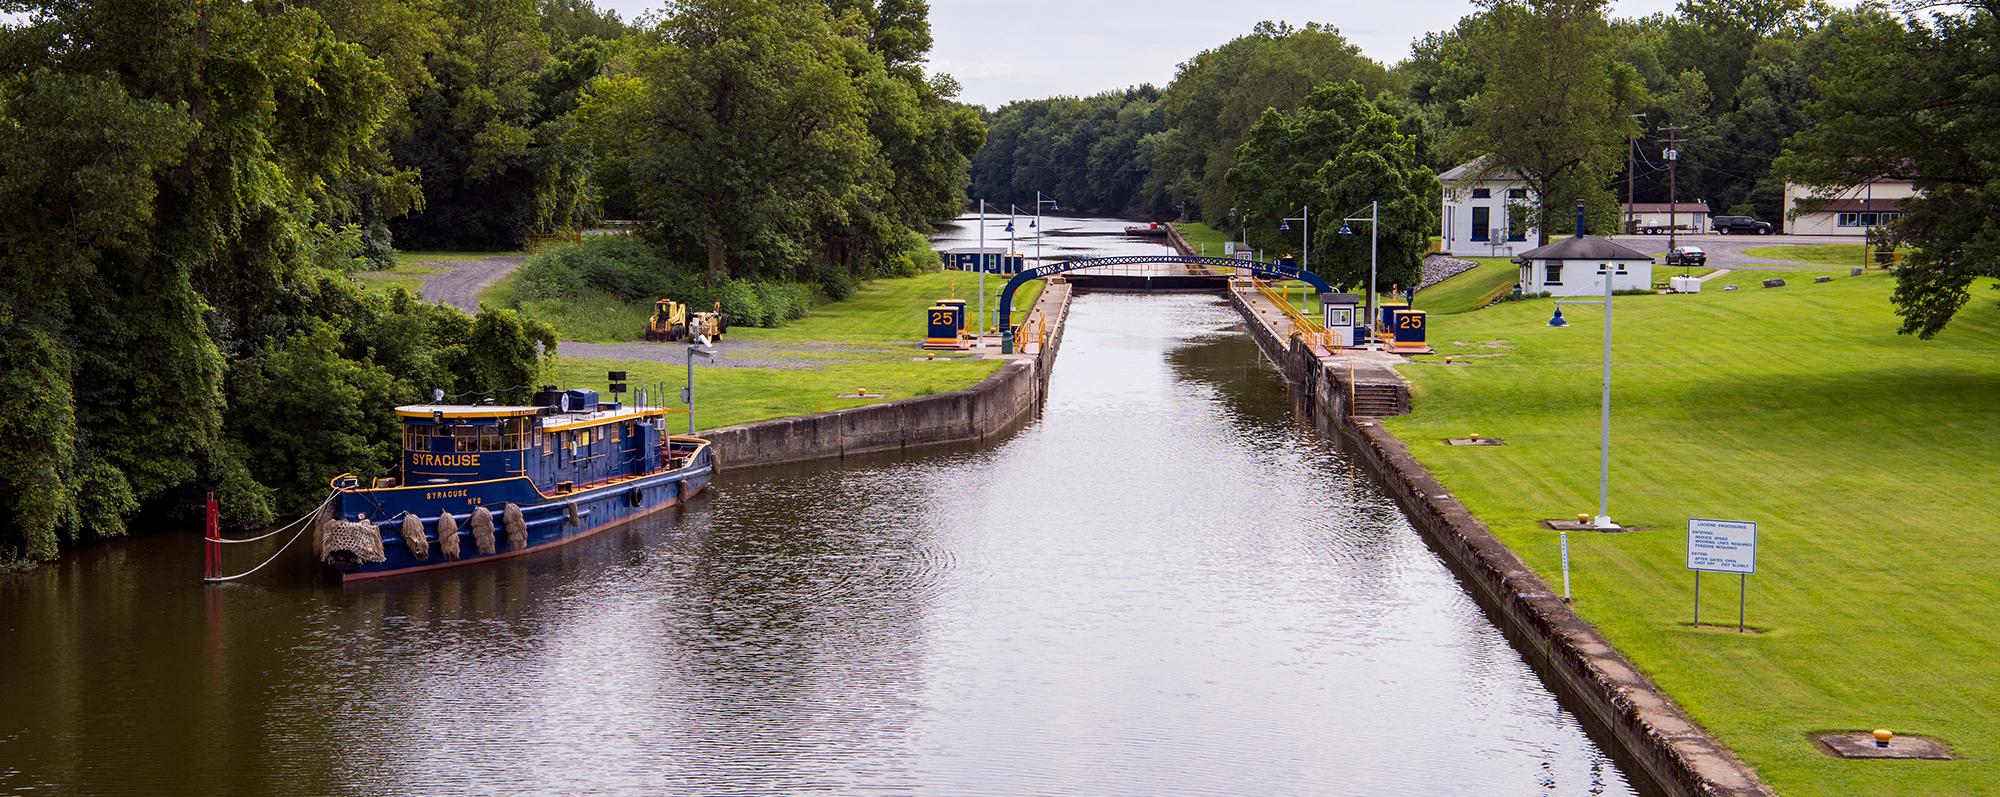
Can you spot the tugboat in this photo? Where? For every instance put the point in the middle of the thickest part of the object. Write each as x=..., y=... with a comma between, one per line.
x=487, y=482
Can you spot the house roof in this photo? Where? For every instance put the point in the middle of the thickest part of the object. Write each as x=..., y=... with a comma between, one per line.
x=1483, y=167
x=1664, y=207
x=1589, y=247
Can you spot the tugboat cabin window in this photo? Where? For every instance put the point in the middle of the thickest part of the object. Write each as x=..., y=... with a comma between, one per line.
x=416, y=437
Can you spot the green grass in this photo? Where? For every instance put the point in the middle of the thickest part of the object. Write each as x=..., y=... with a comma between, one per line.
x=867, y=341
x=729, y=396
x=1829, y=254
x=413, y=258
x=1868, y=458
x=1203, y=237
x=406, y=275
x=1492, y=278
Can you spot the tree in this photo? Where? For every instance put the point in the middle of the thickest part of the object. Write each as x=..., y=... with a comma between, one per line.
x=1338, y=153
x=736, y=126
x=1554, y=105
x=1915, y=99
x=1218, y=94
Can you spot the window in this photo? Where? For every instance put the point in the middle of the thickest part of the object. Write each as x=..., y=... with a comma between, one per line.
x=1865, y=219
x=416, y=437
x=1555, y=268
x=1480, y=218
x=615, y=429
x=465, y=439
x=490, y=438
x=1482, y=193
x=548, y=442
x=1517, y=193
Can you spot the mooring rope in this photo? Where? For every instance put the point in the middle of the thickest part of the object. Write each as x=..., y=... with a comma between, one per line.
x=281, y=529
x=303, y=527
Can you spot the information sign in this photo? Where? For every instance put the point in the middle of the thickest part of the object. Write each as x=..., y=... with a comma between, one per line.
x=1722, y=546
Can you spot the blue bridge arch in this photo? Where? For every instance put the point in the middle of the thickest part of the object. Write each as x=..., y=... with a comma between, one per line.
x=1283, y=269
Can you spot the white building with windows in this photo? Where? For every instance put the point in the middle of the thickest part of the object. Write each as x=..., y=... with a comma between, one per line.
x=1578, y=267
x=1485, y=210
x=1848, y=211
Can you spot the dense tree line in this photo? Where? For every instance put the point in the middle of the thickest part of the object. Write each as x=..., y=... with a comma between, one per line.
x=189, y=184
x=1751, y=93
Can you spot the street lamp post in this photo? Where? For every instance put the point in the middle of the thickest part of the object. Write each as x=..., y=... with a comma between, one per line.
x=1037, y=223
x=1374, y=219
x=1306, y=241
x=980, y=328
x=1603, y=520
x=687, y=393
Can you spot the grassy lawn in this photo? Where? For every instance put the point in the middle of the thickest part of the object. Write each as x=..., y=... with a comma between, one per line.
x=1867, y=458
x=1463, y=293
x=867, y=341
x=406, y=275
x=1203, y=237
x=1829, y=254
x=729, y=396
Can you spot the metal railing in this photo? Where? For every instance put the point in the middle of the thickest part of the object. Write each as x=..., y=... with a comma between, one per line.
x=1300, y=325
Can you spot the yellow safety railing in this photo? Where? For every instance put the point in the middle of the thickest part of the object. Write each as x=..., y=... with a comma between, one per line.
x=1301, y=325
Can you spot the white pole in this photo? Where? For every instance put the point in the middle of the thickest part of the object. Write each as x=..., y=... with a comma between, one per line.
x=1604, y=430
x=1374, y=231
x=980, y=328
x=1038, y=228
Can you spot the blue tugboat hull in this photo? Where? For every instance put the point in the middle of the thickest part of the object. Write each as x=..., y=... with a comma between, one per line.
x=552, y=519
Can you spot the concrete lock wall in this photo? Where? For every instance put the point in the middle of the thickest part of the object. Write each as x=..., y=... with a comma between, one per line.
x=1643, y=725
x=996, y=405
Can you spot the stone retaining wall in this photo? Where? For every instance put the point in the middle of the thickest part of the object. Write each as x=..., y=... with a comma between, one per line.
x=995, y=406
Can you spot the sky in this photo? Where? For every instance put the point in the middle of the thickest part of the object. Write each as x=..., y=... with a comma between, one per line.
x=1004, y=50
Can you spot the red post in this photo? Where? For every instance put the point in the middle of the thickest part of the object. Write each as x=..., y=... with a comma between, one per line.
x=212, y=533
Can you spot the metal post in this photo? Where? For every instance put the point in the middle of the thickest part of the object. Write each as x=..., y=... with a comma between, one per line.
x=690, y=391
x=1374, y=233
x=1604, y=438
x=980, y=328
x=1673, y=195
x=1742, y=589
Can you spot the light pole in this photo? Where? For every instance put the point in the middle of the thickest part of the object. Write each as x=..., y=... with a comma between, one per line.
x=687, y=393
x=980, y=328
x=1305, y=234
x=1037, y=223
x=1603, y=520
x=1374, y=219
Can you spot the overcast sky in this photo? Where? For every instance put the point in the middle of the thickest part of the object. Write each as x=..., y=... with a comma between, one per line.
x=1006, y=50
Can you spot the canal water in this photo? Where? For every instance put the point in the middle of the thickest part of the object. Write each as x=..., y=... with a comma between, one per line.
x=1163, y=585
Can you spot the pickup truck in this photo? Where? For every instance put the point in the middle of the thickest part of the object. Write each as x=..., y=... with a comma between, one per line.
x=1724, y=225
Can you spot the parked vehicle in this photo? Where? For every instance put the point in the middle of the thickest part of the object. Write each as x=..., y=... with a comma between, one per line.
x=1687, y=256
x=1725, y=225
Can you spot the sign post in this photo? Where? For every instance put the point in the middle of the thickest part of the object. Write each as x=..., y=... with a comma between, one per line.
x=1722, y=546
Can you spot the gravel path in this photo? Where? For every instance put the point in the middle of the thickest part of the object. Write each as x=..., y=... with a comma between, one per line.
x=461, y=281
x=730, y=354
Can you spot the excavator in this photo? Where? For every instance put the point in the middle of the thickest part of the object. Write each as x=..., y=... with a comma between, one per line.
x=671, y=321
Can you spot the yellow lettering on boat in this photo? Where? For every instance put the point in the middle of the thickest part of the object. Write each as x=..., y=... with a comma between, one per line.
x=445, y=460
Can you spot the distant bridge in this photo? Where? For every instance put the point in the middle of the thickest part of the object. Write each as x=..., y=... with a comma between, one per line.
x=1284, y=269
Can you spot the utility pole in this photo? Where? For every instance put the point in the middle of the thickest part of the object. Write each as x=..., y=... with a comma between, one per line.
x=1631, y=165
x=1673, y=157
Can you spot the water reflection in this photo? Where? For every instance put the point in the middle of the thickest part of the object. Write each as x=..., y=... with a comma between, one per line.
x=1164, y=585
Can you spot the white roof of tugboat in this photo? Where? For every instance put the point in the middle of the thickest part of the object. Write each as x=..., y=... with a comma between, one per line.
x=465, y=411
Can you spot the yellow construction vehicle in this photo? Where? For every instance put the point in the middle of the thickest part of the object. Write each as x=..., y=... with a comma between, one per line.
x=669, y=321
